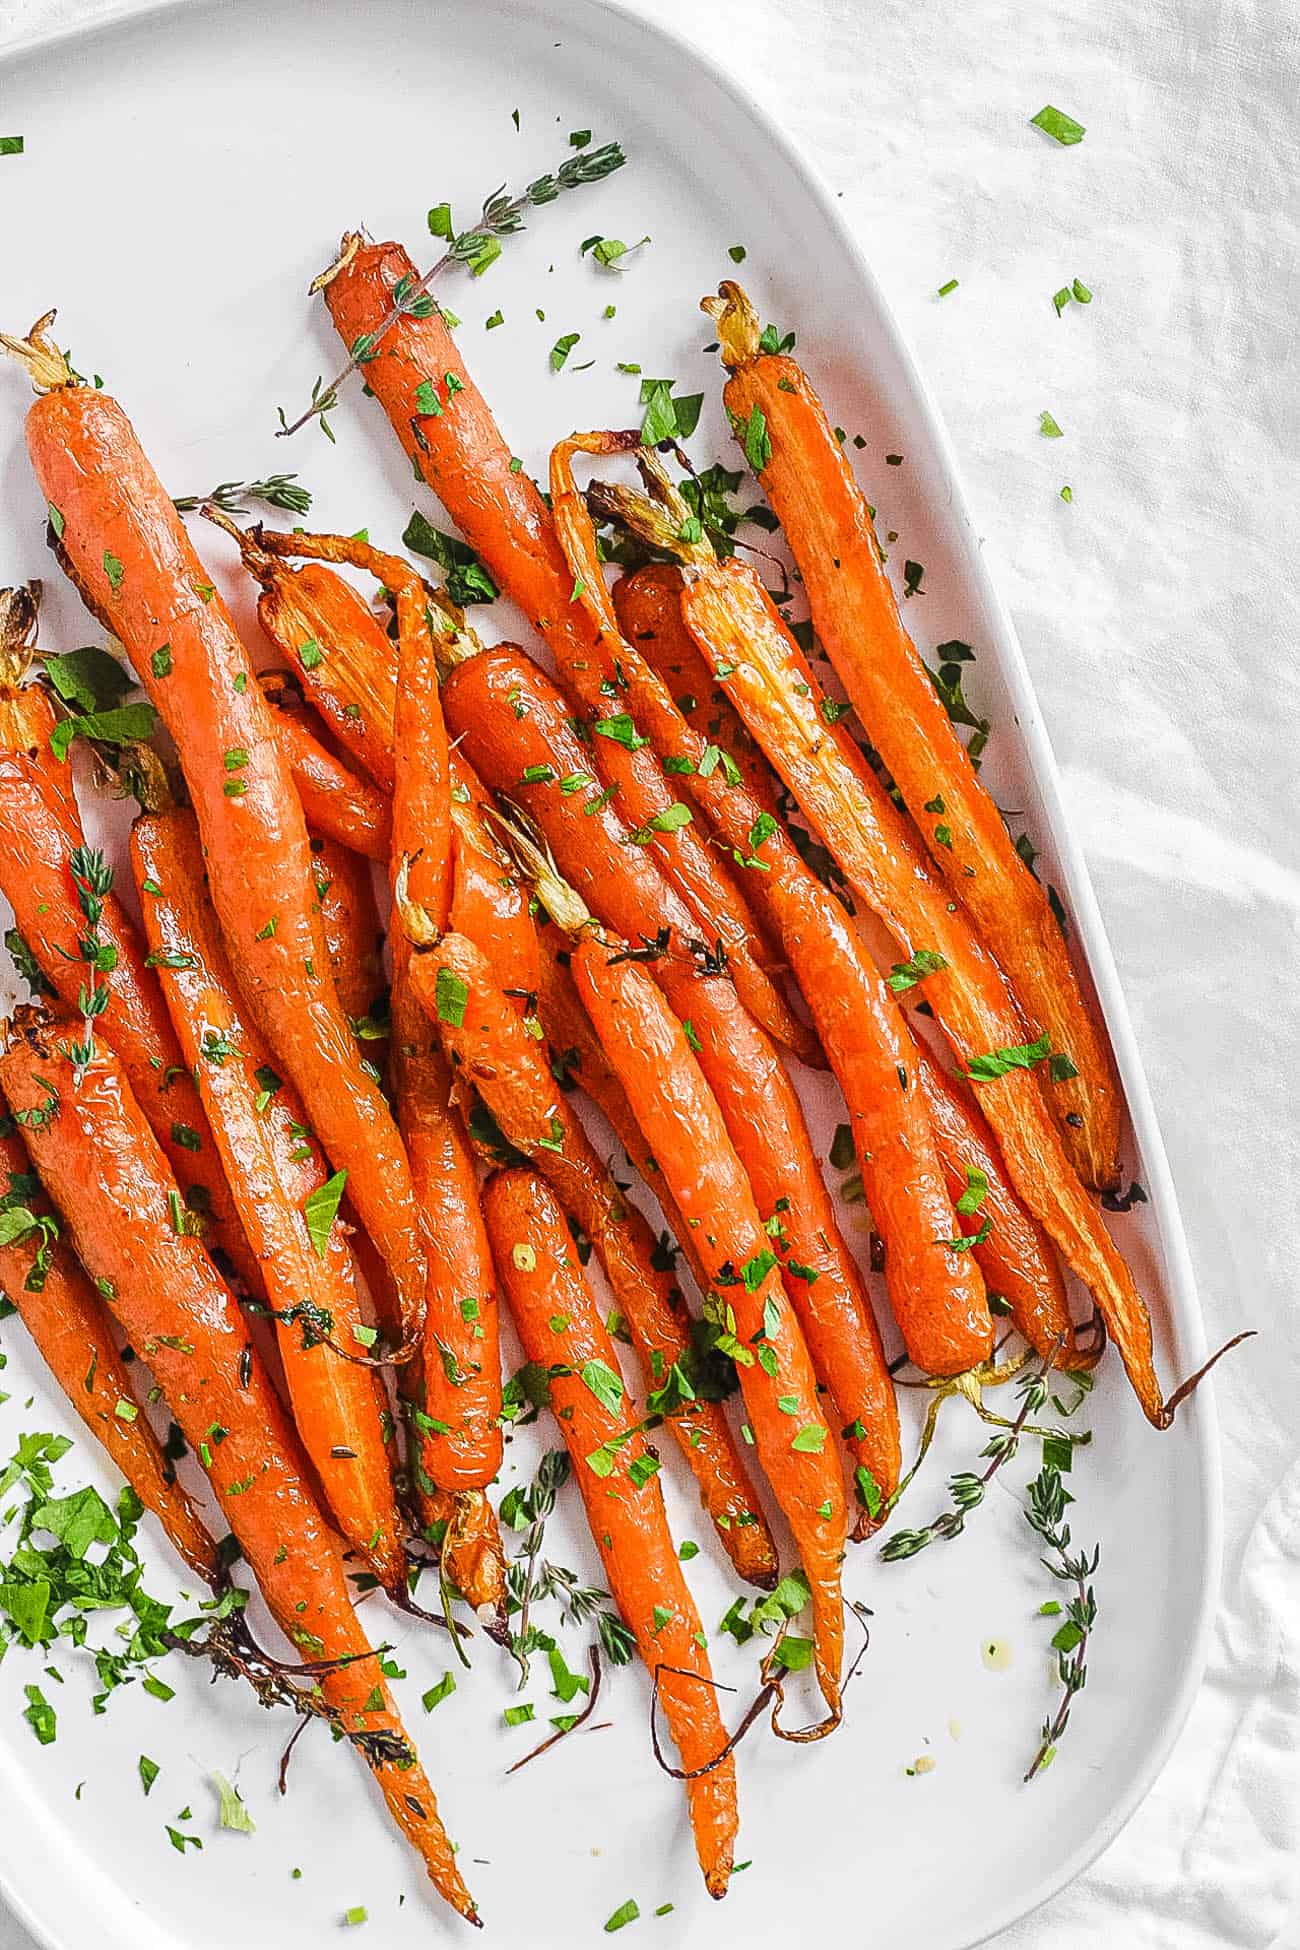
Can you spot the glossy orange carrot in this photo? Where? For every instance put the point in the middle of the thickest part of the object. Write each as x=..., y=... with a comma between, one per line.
x=935, y=1287
x=1015, y=1256
x=806, y=474
x=324, y=628
x=102, y=1167
x=490, y=1049
x=679, y=1115
x=126, y=549
x=648, y=604
x=67, y=1321
x=488, y=903
x=461, y=1358
x=46, y=874
x=768, y=679
x=335, y=801
x=461, y=454
x=616, y=1476
x=539, y=761
x=354, y=939
x=285, y=1196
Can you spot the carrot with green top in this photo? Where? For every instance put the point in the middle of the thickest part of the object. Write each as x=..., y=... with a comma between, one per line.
x=84, y=947
x=101, y=1165
x=772, y=685
x=286, y=1196
x=419, y=377
x=491, y=1051
x=126, y=549
x=616, y=1474
x=68, y=1323
x=789, y=442
x=334, y=799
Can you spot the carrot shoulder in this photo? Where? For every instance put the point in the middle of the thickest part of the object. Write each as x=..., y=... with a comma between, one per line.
x=616, y=1473
x=824, y=514
x=278, y=1178
x=127, y=550
x=68, y=1323
x=102, y=1167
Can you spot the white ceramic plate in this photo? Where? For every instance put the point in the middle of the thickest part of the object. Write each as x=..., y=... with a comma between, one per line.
x=185, y=174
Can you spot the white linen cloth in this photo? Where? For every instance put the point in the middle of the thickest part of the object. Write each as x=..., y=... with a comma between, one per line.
x=1160, y=612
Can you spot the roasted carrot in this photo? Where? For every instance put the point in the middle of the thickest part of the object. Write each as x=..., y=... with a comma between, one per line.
x=461, y=1357
x=460, y=453
x=804, y=470
x=1015, y=1255
x=772, y=685
x=66, y=1319
x=615, y=1471
x=281, y=1185
x=102, y=1167
x=648, y=604
x=126, y=549
x=354, y=939
x=679, y=1115
x=335, y=801
x=517, y=728
x=490, y=1050
x=488, y=903
x=935, y=1287
x=55, y=885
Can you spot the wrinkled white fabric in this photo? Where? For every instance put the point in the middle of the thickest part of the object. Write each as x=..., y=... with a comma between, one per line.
x=1159, y=613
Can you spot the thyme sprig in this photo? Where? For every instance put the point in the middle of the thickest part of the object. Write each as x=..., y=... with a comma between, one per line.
x=92, y=880
x=277, y=491
x=967, y=1488
x=473, y=250
x=1046, y=1502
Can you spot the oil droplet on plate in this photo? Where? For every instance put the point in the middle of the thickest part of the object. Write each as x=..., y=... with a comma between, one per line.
x=996, y=1654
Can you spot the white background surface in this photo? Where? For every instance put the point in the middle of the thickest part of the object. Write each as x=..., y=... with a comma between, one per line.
x=1159, y=615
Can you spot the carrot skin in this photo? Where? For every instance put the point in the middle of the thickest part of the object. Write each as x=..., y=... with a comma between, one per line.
x=460, y=453
x=509, y=716
x=40, y=829
x=674, y=1106
x=828, y=524
x=733, y=620
x=104, y=1171
x=488, y=904
x=335, y=801
x=133, y=562
x=491, y=1051
x=628, y=1524
x=273, y=1170
x=69, y=1325
x=354, y=939
x=1016, y=1259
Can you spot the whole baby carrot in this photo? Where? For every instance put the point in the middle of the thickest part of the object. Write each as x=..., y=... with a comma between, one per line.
x=124, y=545
x=66, y=1318
x=354, y=939
x=102, y=1167
x=804, y=469
x=490, y=1050
x=85, y=945
x=616, y=1473
x=334, y=799
x=419, y=377
x=285, y=1195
